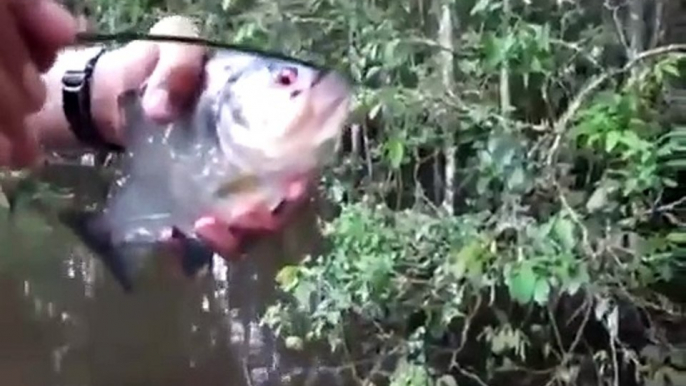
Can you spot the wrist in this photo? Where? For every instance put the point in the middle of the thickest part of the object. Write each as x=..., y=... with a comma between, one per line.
x=107, y=84
x=51, y=124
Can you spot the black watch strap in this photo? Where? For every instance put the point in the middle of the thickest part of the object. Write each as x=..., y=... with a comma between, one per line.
x=76, y=104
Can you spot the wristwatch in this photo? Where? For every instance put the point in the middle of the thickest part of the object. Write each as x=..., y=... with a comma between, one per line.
x=76, y=105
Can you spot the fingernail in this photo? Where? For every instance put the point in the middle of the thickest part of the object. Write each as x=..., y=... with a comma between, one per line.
x=295, y=190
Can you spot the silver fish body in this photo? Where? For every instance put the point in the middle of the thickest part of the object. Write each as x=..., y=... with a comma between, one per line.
x=257, y=123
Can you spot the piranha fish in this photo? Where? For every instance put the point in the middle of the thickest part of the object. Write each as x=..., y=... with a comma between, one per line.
x=259, y=123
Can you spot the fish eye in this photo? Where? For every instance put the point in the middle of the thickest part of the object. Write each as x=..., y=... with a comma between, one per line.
x=287, y=76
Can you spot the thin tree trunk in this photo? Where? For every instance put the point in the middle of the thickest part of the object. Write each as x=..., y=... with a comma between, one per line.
x=505, y=97
x=437, y=176
x=657, y=24
x=636, y=34
x=636, y=28
x=636, y=31
x=446, y=61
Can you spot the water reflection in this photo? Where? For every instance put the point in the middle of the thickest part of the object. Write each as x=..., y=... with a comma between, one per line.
x=65, y=321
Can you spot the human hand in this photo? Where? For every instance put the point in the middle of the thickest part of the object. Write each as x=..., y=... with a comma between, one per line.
x=226, y=238
x=172, y=72
x=261, y=218
x=31, y=34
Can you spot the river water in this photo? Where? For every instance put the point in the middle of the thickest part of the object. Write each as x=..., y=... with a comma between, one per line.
x=65, y=321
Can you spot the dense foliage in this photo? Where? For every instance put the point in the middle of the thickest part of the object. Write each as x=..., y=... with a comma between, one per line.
x=508, y=197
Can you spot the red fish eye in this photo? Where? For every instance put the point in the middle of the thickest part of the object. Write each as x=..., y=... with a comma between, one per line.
x=287, y=76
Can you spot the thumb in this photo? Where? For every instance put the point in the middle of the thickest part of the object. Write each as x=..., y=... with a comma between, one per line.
x=178, y=71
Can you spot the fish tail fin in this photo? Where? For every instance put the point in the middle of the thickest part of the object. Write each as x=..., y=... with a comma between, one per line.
x=125, y=261
x=90, y=231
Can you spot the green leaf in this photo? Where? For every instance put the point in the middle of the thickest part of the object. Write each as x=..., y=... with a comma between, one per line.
x=480, y=6
x=482, y=185
x=516, y=179
x=4, y=202
x=677, y=237
x=294, y=343
x=287, y=276
x=612, y=140
x=468, y=66
x=375, y=111
x=303, y=292
x=541, y=291
x=396, y=152
x=536, y=65
x=390, y=51
x=564, y=232
x=577, y=281
x=372, y=72
x=523, y=283
x=446, y=380
x=676, y=164
x=670, y=183
x=600, y=197
x=632, y=140
x=671, y=69
x=410, y=374
x=467, y=259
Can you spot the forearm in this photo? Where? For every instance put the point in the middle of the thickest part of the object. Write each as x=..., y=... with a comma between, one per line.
x=50, y=123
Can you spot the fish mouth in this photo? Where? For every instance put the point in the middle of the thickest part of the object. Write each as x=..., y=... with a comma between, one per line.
x=330, y=90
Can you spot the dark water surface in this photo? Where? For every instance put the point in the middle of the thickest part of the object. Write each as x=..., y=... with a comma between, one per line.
x=65, y=321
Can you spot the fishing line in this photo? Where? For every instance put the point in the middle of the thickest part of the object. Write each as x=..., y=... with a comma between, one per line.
x=126, y=37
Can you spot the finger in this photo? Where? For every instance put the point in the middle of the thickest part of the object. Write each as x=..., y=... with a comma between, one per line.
x=47, y=26
x=177, y=76
x=12, y=107
x=18, y=153
x=262, y=218
x=258, y=219
x=5, y=149
x=297, y=190
x=23, y=146
x=137, y=61
x=170, y=90
x=218, y=236
x=117, y=72
x=25, y=150
x=29, y=90
x=297, y=194
x=22, y=150
x=142, y=57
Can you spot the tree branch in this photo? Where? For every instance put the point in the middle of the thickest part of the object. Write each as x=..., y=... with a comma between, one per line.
x=595, y=83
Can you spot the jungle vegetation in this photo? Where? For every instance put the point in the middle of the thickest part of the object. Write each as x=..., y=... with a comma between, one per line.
x=508, y=202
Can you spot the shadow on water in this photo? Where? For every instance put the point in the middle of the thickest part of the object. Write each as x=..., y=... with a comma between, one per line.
x=65, y=321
